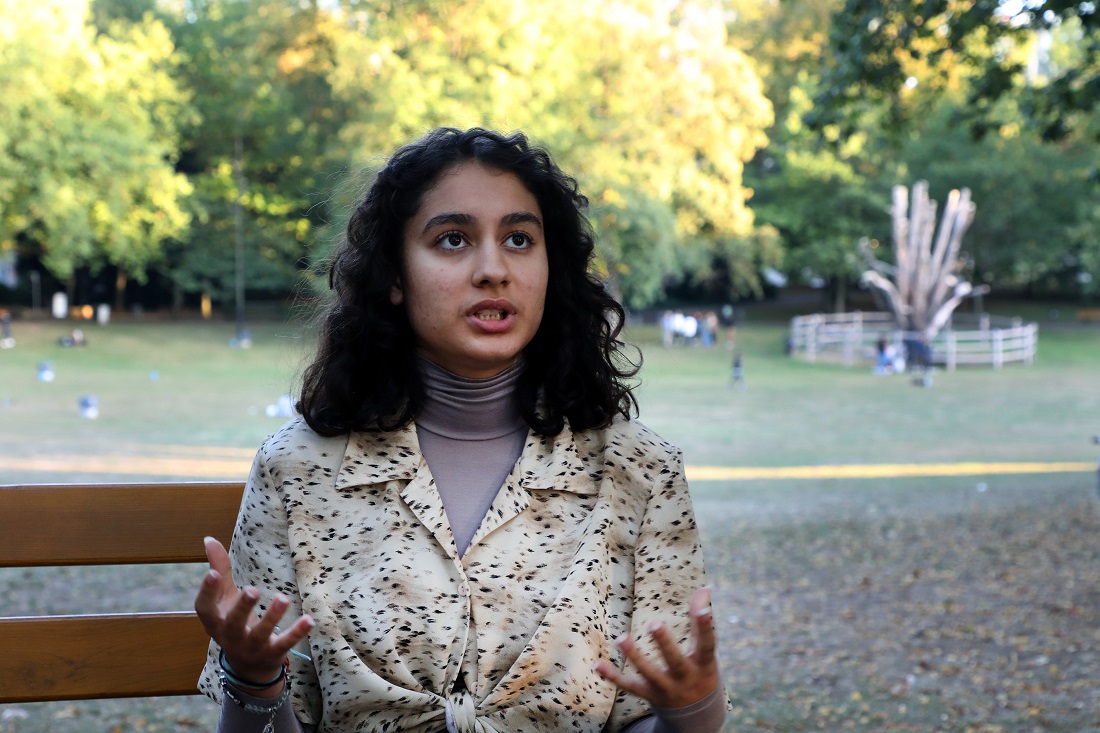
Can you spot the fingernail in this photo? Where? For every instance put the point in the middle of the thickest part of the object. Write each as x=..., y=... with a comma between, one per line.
x=252, y=594
x=309, y=621
x=653, y=626
x=622, y=641
x=706, y=599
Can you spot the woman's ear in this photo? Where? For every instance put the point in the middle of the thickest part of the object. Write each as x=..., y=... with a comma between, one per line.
x=397, y=295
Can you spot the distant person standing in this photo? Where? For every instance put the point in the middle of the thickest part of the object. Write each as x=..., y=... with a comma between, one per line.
x=737, y=374
x=679, y=328
x=710, y=328
x=727, y=318
x=668, y=328
x=7, y=341
x=883, y=362
x=691, y=328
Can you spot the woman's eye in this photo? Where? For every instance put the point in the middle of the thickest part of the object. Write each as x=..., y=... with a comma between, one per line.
x=519, y=240
x=452, y=240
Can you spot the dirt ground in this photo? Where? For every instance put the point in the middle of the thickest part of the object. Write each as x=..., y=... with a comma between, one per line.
x=839, y=617
x=943, y=621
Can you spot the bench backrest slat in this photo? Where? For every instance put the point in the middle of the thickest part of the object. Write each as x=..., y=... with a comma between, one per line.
x=69, y=524
x=112, y=655
x=84, y=657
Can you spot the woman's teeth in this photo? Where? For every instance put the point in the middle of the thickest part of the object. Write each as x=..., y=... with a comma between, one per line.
x=489, y=315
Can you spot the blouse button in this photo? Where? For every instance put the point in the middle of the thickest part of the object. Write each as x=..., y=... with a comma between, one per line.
x=464, y=590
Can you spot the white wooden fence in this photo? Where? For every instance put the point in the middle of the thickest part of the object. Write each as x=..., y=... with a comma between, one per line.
x=850, y=338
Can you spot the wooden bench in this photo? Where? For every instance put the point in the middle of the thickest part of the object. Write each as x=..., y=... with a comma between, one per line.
x=118, y=654
x=1088, y=314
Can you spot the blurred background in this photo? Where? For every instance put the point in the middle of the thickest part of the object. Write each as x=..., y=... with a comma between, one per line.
x=195, y=157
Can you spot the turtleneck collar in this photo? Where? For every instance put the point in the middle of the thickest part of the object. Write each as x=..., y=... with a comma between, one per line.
x=469, y=409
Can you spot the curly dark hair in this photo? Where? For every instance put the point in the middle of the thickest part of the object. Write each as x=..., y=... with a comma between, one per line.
x=364, y=377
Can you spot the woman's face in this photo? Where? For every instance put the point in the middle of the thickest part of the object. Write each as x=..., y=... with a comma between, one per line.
x=475, y=271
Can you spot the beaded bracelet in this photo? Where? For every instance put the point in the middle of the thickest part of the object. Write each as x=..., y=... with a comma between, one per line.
x=271, y=707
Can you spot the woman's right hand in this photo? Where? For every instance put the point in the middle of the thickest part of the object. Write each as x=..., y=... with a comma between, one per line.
x=251, y=645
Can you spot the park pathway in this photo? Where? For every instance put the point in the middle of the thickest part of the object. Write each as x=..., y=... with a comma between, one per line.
x=881, y=470
x=220, y=464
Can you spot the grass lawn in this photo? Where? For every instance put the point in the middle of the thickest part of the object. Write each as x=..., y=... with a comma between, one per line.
x=953, y=603
x=174, y=389
x=794, y=413
x=180, y=385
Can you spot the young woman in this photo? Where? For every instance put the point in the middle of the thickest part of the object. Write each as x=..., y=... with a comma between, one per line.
x=464, y=531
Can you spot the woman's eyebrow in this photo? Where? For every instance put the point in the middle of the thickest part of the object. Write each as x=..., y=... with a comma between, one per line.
x=463, y=219
x=521, y=217
x=449, y=217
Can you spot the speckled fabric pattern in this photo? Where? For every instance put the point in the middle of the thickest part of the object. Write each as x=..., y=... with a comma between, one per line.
x=592, y=535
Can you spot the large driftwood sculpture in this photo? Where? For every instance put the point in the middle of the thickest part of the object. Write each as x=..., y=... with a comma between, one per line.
x=923, y=287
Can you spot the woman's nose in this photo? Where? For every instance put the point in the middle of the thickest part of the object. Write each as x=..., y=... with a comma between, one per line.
x=491, y=267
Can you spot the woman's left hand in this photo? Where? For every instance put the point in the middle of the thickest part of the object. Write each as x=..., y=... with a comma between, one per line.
x=684, y=678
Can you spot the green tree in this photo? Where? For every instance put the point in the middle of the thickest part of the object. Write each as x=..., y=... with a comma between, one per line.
x=645, y=101
x=263, y=146
x=1083, y=260
x=876, y=46
x=88, y=139
x=819, y=199
x=1033, y=200
x=825, y=175
x=785, y=39
x=821, y=207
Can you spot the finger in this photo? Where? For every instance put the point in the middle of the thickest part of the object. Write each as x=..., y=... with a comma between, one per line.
x=290, y=638
x=216, y=555
x=669, y=648
x=704, y=641
x=613, y=675
x=206, y=602
x=240, y=618
x=265, y=626
x=651, y=672
x=218, y=558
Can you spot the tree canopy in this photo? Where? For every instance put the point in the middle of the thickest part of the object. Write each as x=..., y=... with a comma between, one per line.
x=88, y=138
x=645, y=102
x=1041, y=57
x=715, y=138
x=261, y=146
x=847, y=132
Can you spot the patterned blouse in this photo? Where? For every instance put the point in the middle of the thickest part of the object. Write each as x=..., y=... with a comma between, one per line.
x=591, y=536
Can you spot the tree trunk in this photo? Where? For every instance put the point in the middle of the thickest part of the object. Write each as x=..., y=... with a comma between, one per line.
x=840, y=295
x=177, y=301
x=120, y=291
x=238, y=231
